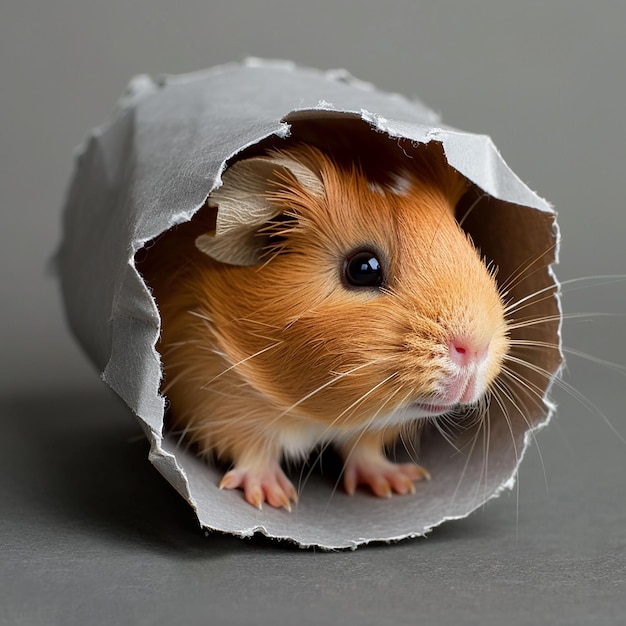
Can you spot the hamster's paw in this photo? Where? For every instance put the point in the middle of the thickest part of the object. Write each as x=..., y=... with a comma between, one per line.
x=381, y=475
x=266, y=484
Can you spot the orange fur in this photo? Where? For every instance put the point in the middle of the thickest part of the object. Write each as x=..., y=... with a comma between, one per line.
x=266, y=360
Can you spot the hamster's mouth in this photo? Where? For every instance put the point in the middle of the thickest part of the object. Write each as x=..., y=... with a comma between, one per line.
x=434, y=409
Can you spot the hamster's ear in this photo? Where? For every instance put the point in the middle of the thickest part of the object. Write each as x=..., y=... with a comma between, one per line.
x=244, y=205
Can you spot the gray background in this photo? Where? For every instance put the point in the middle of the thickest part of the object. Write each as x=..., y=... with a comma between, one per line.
x=90, y=534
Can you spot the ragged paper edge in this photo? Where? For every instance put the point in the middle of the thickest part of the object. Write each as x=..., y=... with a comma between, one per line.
x=166, y=462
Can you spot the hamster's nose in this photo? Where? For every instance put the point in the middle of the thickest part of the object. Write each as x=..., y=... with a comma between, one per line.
x=464, y=351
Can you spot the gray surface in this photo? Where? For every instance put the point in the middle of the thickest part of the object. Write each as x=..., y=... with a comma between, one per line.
x=79, y=546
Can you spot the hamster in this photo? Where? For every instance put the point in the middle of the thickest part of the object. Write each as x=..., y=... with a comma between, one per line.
x=347, y=308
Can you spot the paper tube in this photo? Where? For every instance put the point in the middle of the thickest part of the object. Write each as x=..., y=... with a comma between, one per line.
x=153, y=165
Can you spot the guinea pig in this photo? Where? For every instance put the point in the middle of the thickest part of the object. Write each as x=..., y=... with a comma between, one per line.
x=312, y=303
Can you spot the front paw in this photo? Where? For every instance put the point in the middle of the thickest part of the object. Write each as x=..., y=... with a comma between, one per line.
x=382, y=476
x=262, y=484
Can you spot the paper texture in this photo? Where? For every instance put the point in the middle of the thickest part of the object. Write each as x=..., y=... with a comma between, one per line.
x=153, y=164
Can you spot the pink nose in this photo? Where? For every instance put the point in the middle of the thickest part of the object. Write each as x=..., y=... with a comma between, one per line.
x=464, y=351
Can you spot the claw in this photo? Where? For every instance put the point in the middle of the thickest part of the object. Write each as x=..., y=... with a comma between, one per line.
x=268, y=484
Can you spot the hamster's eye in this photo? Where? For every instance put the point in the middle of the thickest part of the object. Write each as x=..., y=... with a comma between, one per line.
x=363, y=269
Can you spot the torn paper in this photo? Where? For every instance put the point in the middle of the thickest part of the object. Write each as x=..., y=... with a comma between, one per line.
x=152, y=166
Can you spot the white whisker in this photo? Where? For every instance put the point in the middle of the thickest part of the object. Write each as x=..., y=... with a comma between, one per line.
x=609, y=279
x=474, y=204
x=241, y=362
x=336, y=378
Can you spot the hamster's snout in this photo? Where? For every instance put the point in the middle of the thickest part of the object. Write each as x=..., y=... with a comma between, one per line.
x=466, y=373
x=466, y=353
x=466, y=384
